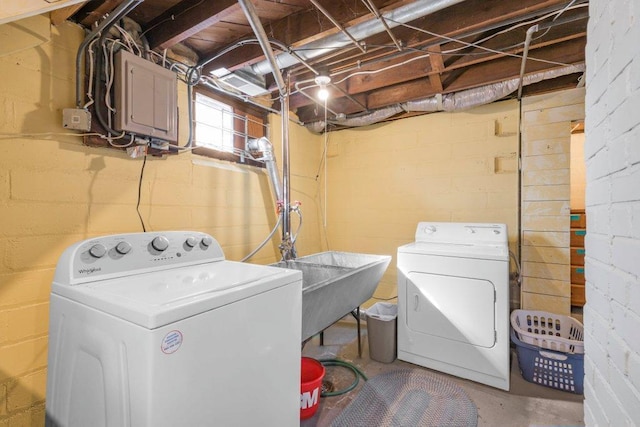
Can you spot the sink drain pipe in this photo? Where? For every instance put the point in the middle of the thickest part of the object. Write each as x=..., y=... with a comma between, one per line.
x=357, y=373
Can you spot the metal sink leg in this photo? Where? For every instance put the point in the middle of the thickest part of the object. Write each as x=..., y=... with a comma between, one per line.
x=356, y=314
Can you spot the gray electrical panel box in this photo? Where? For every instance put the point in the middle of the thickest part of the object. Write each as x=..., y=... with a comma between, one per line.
x=146, y=97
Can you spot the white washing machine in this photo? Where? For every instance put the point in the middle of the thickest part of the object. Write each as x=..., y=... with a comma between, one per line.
x=158, y=329
x=453, y=301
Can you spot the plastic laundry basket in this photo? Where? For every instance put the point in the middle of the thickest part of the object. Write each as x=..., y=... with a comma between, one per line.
x=549, y=330
x=381, y=330
x=311, y=375
x=555, y=369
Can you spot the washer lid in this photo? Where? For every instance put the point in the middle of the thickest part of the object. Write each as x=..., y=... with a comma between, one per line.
x=459, y=250
x=159, y=298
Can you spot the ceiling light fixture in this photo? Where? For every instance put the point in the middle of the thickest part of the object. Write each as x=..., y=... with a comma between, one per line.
x=323, y=80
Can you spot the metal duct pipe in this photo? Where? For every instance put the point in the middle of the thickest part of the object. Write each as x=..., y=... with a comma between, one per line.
x=539, y=27
x=264, y=146
x=403, y=14
x=254, y=20
x=453, y=101
x=120, y=11
x=525, y=54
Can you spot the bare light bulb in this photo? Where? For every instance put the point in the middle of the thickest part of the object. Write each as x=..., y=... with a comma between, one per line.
x=323, y=94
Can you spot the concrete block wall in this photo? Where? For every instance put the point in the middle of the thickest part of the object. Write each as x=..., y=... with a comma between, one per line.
x=612, y=269
x=546, y=140
x=54, y=191
x=386, y=178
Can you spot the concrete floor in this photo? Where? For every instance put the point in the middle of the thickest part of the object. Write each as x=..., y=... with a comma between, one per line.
x=526, y=404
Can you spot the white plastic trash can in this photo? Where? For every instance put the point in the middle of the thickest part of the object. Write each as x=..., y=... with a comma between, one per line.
x=382, y=320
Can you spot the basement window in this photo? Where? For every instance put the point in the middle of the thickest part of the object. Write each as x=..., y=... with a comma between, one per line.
x=222, y=126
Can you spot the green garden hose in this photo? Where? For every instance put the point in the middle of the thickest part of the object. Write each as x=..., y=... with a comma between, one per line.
x=357, y=373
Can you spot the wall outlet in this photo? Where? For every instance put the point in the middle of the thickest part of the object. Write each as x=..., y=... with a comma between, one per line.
x=76, y=118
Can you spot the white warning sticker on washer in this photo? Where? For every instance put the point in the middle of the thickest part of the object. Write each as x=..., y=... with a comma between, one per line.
x=171, y=342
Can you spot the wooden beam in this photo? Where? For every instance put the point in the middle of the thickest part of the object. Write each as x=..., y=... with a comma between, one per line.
x=409, y=72
x=388, y=72
x=13, y=10
x=485, y=73
x=339, y=105
x=565, y=82
x=186, y=19
x=416, y=89
x=569, y=52
x=58, y=16
x=437, y=65
x=455, y=21
x=98, y=12
x=305, y=27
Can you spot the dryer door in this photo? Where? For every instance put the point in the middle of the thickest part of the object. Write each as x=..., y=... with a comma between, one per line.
x=454, y=308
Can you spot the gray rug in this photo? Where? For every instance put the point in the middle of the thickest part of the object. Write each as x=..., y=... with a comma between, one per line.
x=409, y=398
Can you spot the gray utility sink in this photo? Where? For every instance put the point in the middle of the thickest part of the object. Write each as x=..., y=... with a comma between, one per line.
x=334, y=284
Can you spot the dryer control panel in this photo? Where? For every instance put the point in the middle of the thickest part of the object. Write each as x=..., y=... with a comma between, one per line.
x=127, y=254
x=462, y=233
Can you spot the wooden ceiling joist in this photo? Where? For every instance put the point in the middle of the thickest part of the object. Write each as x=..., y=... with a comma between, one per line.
x=186, y=19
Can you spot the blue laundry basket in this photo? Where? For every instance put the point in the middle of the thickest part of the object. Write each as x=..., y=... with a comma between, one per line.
x=555, y=369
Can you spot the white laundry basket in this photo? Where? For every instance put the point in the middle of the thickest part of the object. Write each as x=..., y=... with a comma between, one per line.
x=549, y=330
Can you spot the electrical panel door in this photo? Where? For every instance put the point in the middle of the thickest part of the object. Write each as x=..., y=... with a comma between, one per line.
x=145, y=98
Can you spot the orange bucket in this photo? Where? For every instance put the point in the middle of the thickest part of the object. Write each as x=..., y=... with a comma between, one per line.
x=311, y=375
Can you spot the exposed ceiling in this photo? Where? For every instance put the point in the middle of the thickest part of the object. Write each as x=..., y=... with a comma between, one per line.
x=418, y=49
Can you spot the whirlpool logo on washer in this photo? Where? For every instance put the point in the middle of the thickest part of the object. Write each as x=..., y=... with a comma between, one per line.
x=88, y=271
x=171, y=342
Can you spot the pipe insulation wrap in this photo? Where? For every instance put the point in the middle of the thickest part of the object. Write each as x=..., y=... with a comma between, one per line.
x=365, y=120
x=453, y=101
x=487, y=94
x=403, y=14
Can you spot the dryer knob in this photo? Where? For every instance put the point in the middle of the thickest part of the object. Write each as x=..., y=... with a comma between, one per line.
x=496, y=231
x=429, y=229
x=191, y=241
x=160, y=243
x=97, y=251
x=206, y=241
x=123, y=248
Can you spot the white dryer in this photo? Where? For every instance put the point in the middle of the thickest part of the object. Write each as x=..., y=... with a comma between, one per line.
x=158, y=329
x=453, y=301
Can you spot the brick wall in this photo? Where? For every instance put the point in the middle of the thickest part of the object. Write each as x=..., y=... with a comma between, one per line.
x=384, y=179
x=612, y=153
x=54, y=191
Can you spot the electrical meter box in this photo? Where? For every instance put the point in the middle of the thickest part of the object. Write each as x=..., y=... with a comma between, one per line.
x=146, y=98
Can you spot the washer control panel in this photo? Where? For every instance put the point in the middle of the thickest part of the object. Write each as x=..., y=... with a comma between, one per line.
x=461, y=233
x=125, y=254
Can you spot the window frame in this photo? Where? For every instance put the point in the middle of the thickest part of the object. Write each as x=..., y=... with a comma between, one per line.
x=242, y=112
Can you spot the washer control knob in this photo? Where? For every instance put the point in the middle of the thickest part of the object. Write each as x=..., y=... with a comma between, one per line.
x=206, y=241
x=191, y=241
x=160, y=243
x=471, y=231
x=429, y=229
x=496, y=231
x=123, y=248
x=97, y=250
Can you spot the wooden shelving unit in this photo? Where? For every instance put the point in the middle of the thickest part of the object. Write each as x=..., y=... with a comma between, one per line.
x=578, y=232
